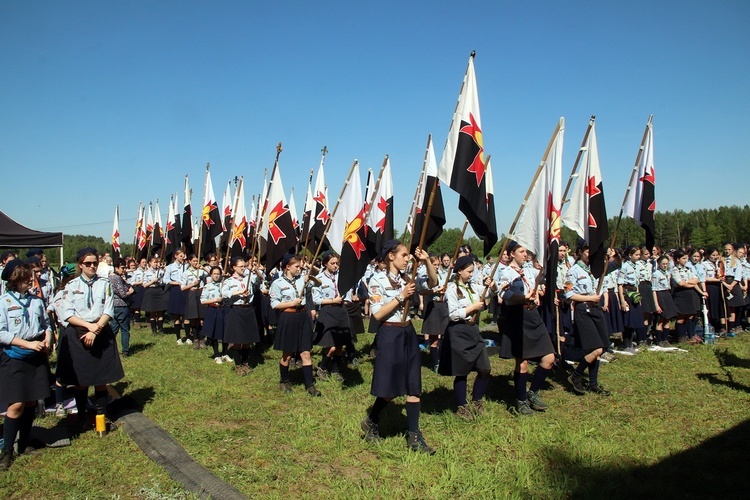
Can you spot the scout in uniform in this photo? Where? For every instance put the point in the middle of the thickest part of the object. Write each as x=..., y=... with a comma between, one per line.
x=88, y=348
x=25, y=340
x=464, y=349
x=154, y=299
x=177, y=296
x=435, y=310
x=523, y=334
x=193, y=279
x=294, y=328
x=685, y=284
x=630, y=301
x=661, y=287
x=213, y=319
x=332, y=328
x=241, y=327
x=397, y=370
x=589, y=324
x=714, y=278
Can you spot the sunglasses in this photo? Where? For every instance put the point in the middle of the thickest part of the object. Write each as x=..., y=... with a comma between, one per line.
x=89, y=264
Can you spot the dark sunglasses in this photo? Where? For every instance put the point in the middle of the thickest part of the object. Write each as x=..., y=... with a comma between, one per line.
x=89, y=264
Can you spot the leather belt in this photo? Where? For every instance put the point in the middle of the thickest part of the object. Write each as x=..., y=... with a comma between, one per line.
x=396, y=323
x=293, y=309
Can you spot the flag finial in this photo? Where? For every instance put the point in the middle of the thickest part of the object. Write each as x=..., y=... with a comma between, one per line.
x=473, y=53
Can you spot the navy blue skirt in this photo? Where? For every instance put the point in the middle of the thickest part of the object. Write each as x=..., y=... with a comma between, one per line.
x=463, y=351
x=397, y=370
x=614, y=313
x=294, y=332
x=632, y=318
x=213, y=323
x=177, y=300
x=435, y=318
x=240, y=325
x=23, y=379
x=590, y=327
x=86, y=366
x=333, y=327
x=523, y=334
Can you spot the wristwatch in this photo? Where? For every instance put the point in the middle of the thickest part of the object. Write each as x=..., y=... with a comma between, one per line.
x=400, y=299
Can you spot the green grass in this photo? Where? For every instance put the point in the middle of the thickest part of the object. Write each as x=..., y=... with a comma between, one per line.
x=677, y=425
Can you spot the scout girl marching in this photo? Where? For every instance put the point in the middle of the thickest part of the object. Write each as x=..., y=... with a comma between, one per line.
x=332, y=328
x=213, y=320
x=241, y=327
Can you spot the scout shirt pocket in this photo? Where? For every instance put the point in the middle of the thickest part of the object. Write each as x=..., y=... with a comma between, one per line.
x=15, y=319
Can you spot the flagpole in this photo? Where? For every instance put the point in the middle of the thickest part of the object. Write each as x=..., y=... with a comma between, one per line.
x=231, y=232
x=148, y=240
x=309, y=219
x=625, y=198
x=259, y=227
x=377, y=186
x=455, y=252
x=578, y=159
x=135, y=237
x=200, y=230
x=260, y=211
x=333, y=214
x=523, y=205
x=412, y=214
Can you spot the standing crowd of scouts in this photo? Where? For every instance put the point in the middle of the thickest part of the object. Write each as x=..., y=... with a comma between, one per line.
x=647, y=299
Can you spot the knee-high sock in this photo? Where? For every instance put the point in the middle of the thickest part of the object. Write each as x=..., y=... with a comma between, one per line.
x=480, y=387
x=10, y=430
x=459, y=390
x=377, y=407
x=538, y=379
x=519, y=381
x=81, y=397
x=412, y=415
x=24, y=432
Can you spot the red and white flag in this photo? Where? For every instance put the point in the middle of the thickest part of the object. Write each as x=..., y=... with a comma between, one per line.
x=240, y=223
x=348, y=233
x=321, y=215
x=380, y=214
x=277, y=223
x=640, y=200
x=211, y=218
x=116, y=233
x=437, y=213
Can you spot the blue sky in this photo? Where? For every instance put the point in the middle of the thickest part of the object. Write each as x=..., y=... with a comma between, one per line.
x=106, y=103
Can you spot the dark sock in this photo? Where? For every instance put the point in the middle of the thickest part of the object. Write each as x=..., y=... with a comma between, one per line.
x=641, y=333
x=691, y=324
x=283, y=373
x=581, y=368
x=81, y=397
x=480, y=387
x=100, y=397
x=215, y=345
x=223, y=348
x=336, y=364
x=412, y=416
x=377, y=407
x=459, y=390
x=434, y=355
x=236, y=356
x=59, y=394
x=152, y=321
x=244, y=356
x=538, y=379
x=10, y=430
x=324, y=362
x=160, y=324
x=519, y=382
x=307, y=375
x=177, y=331
x=681, y=330
x=24, y=431
x=627, y=338
x=594, y=373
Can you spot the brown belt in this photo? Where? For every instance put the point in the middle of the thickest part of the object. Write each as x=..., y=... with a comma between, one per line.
x=462, y=322
x=396, y=323
x=242, y=305
x=293, y=309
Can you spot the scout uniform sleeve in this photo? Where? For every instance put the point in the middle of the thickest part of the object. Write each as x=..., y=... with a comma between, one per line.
x=377, y=291
x=456, y=312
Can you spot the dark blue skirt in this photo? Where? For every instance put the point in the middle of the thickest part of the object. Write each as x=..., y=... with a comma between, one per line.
x=397, y=370
x=213, y=323
x=294, y=332
x=633, y=318
x=177, y=300
x=614, y=313
x=23, y=379
x=590, y=327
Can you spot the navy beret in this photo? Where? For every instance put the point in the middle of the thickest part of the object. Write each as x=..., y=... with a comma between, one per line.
x=10, y=267
x=388, y=247
x=512, y=244
x=462, y=263
x=34, y=260
x=34, y=251
x=84, y=251
x=285, y=260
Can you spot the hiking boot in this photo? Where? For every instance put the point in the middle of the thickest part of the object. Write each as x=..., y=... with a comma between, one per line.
x=323, y=374
x=464, y=413
x=313, y=391
x=415, y=441
x=60, y=410
x=577, y=383
x=535, y=402
x=607, y=356
x=241, y=370
x=370, y=429
x=285, y=387
x=336, y=376
x=5, y=459
x=478, y=407
x=664, y=343
x=599, y=389
x=523, y=408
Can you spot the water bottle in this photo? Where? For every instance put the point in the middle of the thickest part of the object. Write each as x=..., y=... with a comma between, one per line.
x=489, y=342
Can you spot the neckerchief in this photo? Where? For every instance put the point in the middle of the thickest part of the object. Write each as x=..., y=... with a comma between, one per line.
x=292, y=283
x=333, y=279
x=90, y=293
x=24, y=307
x=466, y=287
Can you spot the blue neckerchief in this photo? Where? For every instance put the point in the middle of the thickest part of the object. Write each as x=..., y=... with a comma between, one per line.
x=90, y=294
x=24, y=307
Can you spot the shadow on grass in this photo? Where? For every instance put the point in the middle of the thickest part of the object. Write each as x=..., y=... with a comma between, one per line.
x=727, y=359
x=717, y=468
x=352, y=378
x=438, y=400
x=713, y=378
x=137, y=347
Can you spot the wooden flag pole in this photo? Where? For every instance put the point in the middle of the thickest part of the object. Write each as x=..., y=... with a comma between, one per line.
x=259, y=214
x=422, y=179
x=230, y=239
x=200, y=229
x=309, y=220
x=625, y=198
x=455, y=252
x=333, y=214
x=375, y=189
x=523, y=206
x=279, y=149
x=578, y=159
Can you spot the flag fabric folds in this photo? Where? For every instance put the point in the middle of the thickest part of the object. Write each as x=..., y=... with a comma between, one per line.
x=348, y=233
x=380, y=213
x=227, y=204
x=277, y=223
x=238, y=236
x=307, y=215
x=157, y=234
x=141, y=241
x=586, y=213
x=116, y=234
x=463, y=165
x=293, y=212
x=186, y=229
x=437, y=214
x=171, y=243
x=640, y=201
x=212, y=225
x=321, y=215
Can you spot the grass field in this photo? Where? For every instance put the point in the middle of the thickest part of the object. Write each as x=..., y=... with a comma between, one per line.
x=676, y=426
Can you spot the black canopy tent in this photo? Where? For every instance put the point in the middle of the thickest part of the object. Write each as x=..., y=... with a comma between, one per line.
x=14, y=235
